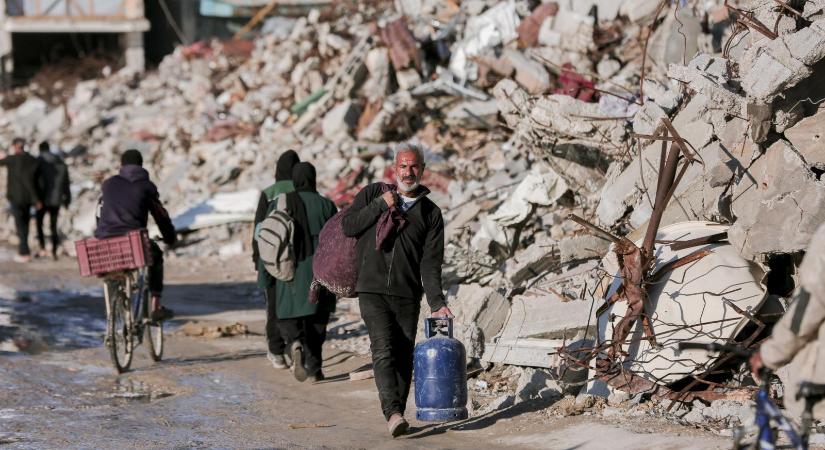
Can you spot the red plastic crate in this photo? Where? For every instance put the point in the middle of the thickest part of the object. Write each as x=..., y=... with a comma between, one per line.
x=99, y=256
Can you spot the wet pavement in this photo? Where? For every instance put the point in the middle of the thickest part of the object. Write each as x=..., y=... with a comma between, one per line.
x=59, y=390
x=37, y=321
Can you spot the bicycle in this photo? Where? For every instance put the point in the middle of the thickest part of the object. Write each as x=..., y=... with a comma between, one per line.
x=767, y=413
x=128, y=317
x=122, y=263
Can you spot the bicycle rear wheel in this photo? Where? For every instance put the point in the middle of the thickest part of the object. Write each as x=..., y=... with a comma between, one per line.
x=154, y=336
x=119, y=330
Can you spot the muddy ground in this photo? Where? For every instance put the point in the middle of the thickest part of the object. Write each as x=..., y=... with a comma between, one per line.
x=58, y=389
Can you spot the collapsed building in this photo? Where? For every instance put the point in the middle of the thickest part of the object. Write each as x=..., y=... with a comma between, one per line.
x=616, y=176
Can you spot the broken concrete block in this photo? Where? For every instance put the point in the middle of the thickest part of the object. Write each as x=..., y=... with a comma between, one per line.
x=681, y=36
x=533, y=383
x=480, y=313
x=808, y=138
x=608, y=67
x=568, y=30
x=25, y=118
x=709, y=76
x=535, y=328
x=51, y=124
x=806, y=45
x=778, y=205
x=513, y=101
x=636, y=10
x=474, y=114
x=531, y=262
x=769, y=76
x=648, y=118
x=558, y=113
x=687, y=302
x=697, y=134
x=542, y=186
x=407, y=79
x=495, y=26
x=340, y=120
x=530, y=74
x=581, y=248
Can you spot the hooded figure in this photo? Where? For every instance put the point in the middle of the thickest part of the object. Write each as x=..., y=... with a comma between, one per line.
x=303, y=323
x=283, y=185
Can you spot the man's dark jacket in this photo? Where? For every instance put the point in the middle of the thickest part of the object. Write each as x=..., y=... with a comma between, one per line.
x=21, y=177
x=409, y=258
x=128, y=199
x=54, y=180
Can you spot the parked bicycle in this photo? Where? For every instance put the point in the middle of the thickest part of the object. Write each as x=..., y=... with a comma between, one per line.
x=769, y=419
x=121, y=262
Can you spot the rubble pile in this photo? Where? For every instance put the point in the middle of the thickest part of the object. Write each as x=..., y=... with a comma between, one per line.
x=531, y=113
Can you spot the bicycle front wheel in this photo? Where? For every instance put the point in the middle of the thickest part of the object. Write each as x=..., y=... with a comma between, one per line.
x=119, y=333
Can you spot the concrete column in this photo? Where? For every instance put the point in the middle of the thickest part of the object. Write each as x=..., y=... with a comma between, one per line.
x=132, y=44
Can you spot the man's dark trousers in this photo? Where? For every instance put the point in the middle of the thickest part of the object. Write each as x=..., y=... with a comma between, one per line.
x=391, y=323
x=22, y=217
x=156, y=269
x=41, y=237
x=274, y=341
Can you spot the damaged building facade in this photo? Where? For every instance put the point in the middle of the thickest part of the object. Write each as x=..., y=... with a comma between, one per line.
x=616, y=177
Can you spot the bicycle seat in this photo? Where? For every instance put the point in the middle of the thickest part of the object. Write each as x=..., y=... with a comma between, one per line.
x=808, y=390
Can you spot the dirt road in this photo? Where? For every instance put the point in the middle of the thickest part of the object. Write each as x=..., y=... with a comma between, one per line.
x=58, y=390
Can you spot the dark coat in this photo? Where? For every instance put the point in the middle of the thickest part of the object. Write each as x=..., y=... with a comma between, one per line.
x=411, y=264
x=21, y=179
x=293, y=296
x=128, y=199
x=54, y=180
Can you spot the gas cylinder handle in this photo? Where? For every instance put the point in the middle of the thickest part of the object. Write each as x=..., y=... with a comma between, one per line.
x=430, y=326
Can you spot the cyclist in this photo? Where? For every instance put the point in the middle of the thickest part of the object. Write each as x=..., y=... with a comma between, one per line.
x=798, y=339
x=128, y=199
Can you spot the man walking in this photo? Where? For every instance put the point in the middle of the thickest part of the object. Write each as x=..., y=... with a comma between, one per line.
x=54, y=186
x=392, y=278
x=22, y=193
x=283, y=185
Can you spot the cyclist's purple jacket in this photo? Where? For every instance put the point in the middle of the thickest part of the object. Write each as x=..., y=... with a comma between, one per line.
x=128, y=199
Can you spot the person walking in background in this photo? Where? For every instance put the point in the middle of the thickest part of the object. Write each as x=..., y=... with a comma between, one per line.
x=54, y=187
x=303, y=324
x=283, y=184
x=22, y=193
x=392, y=278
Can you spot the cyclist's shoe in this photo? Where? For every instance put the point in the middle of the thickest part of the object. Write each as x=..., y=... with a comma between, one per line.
x=298, y=369
x=277, y=361
x=163, y=313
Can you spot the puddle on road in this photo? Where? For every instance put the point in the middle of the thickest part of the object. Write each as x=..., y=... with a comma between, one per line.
x=38, y=321
x=137, y=390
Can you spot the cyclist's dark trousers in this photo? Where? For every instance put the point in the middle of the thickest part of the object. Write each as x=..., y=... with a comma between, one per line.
x=274, y=341
x=41, y=237
x=22, y=217
x=310, y=331
x=391, y=324
x=156, y=270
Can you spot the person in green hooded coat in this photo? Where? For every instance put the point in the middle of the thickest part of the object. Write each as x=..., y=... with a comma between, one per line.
x=276, y=348
x=303, y=324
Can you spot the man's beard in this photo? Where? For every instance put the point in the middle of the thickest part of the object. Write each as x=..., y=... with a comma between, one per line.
x=402, y=186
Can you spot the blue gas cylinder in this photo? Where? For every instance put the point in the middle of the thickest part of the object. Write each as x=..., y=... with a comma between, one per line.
x=440, y=368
